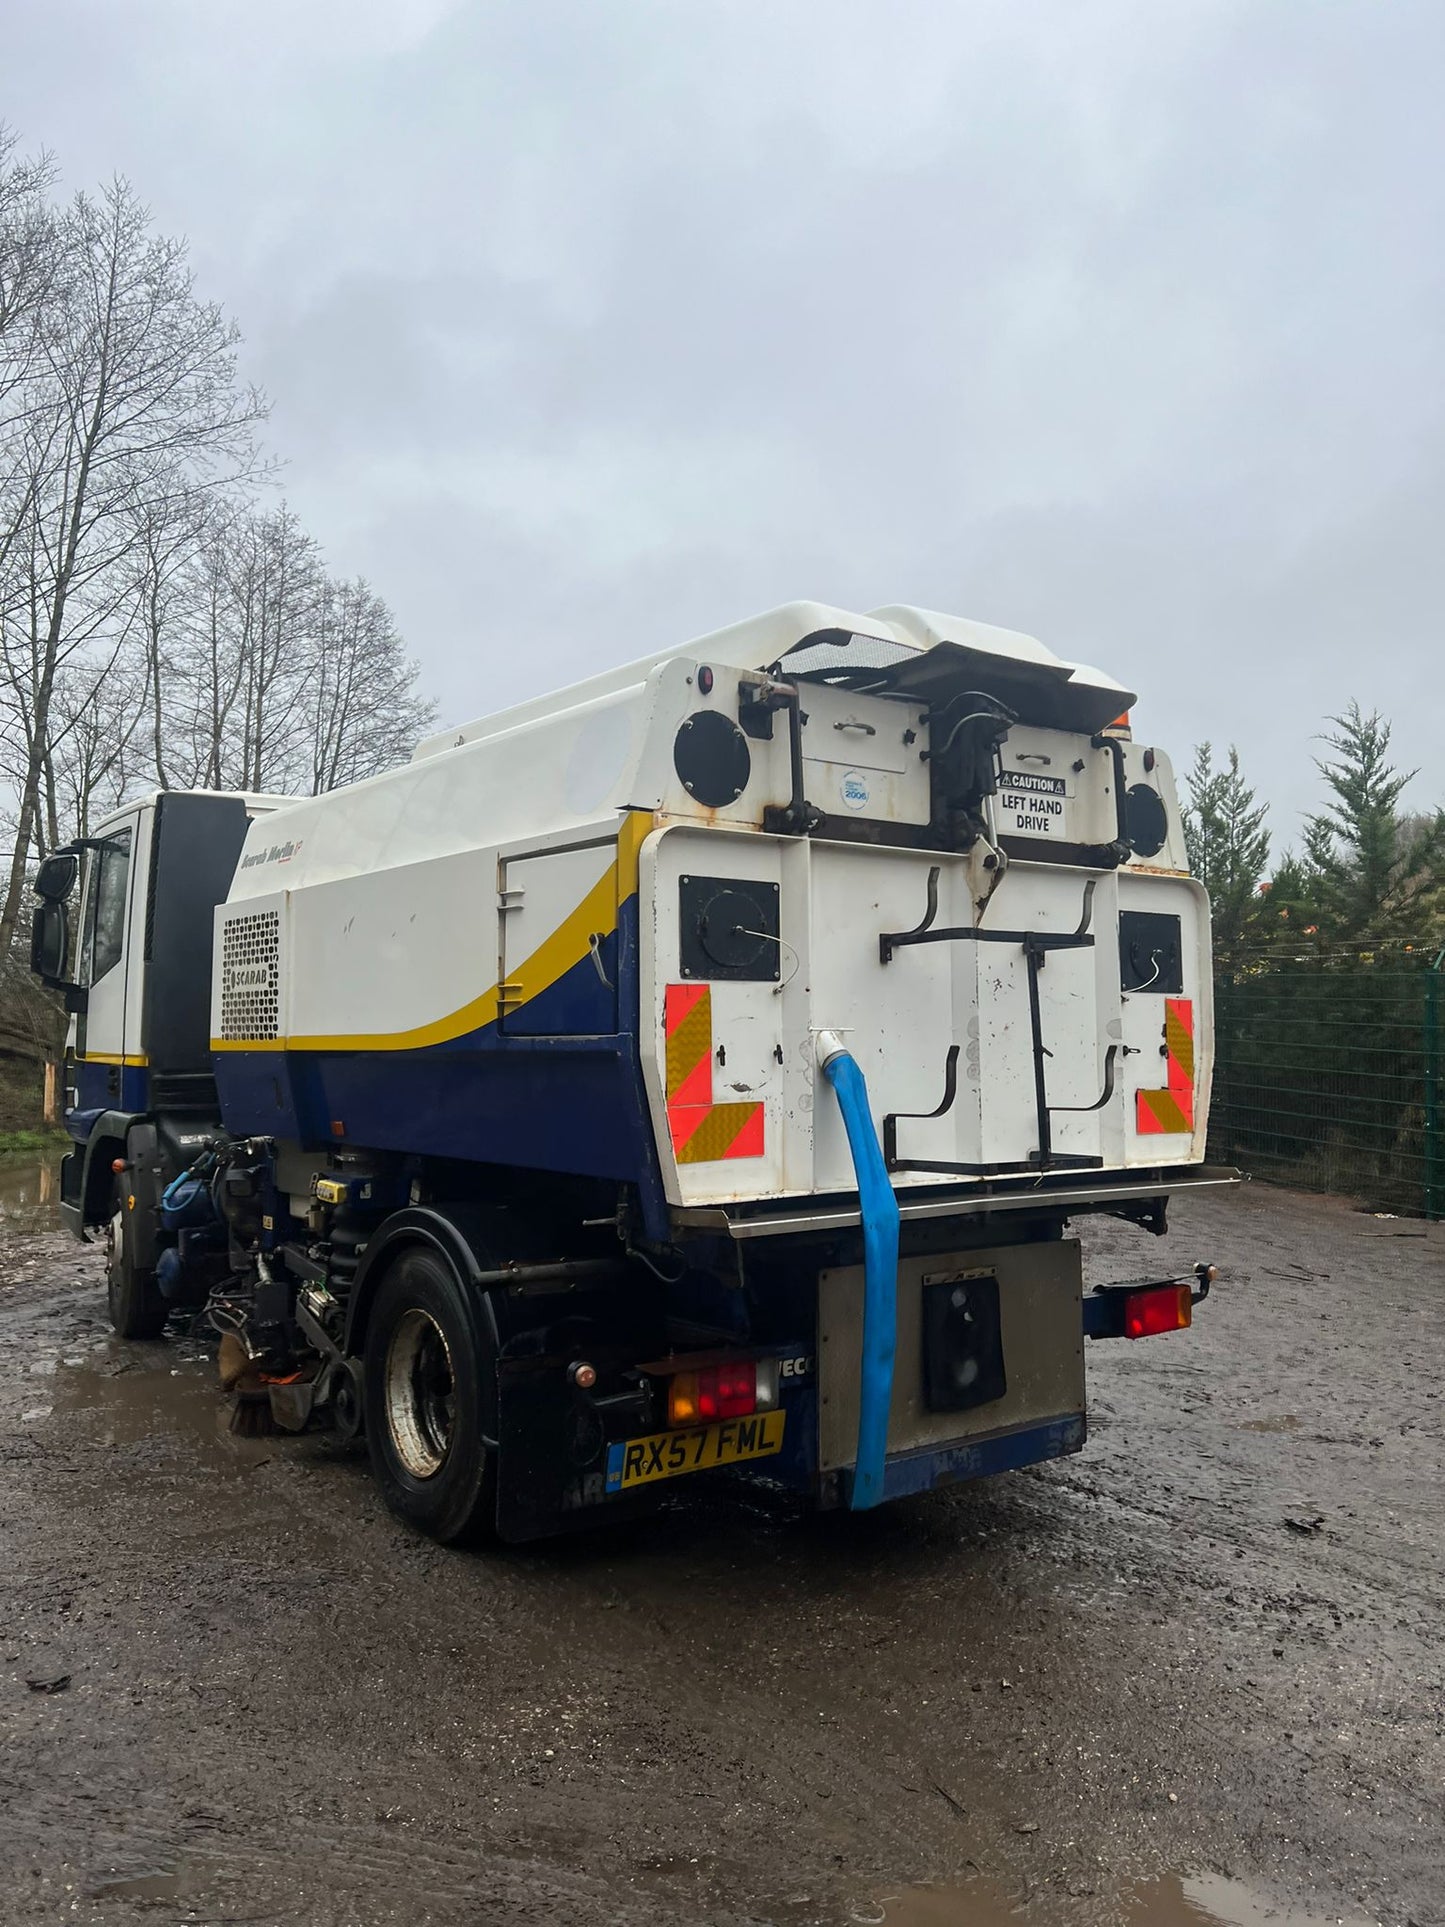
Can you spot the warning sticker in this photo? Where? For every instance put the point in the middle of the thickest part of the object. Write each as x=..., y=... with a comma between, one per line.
x=1030, y=805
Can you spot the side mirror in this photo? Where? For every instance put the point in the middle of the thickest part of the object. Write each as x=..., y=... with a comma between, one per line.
x=55, y=879
x=50, y=934
x=48, y=943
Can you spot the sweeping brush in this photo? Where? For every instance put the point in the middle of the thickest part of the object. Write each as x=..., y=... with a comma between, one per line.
x=251, y=1414
x=251, y=1397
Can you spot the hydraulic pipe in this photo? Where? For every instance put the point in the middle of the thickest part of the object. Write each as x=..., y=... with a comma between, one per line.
x=879, y=1208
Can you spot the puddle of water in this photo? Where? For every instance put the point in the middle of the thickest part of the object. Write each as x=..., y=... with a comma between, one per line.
x=132, y=1399
x=1202, y=1900
x=128, y=1393
x=1209, y=1900
x=149, y=1886
x=29, y=1195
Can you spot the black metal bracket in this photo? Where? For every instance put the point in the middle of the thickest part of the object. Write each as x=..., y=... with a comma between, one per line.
x=1031, y=940
x=1082, y=1110
x=924, y=932
x=1036, y=945
x=890, y=1121
x=756, y=703
x=1199, y=1278
x=1119, y=850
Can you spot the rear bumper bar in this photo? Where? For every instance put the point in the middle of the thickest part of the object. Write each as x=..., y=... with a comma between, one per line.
x=907, y=1473
x=1129, y=1193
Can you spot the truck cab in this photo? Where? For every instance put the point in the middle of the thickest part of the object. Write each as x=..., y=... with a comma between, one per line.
x=122, y=927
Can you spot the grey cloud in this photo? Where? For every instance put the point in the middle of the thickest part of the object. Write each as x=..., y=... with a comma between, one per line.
x=592, y=327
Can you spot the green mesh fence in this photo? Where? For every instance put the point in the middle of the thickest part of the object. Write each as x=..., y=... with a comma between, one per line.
x=1328, y=1076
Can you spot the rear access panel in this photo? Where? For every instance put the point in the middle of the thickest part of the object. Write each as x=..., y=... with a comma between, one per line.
x=1040, y=1334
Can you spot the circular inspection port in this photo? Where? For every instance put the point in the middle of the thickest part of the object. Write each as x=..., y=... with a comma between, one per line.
x=711, y=756
x=1147, y=820
x=733, y=931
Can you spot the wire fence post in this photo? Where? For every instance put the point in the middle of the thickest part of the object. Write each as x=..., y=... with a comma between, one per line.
x=1434, y=1150
x=1220, y=1105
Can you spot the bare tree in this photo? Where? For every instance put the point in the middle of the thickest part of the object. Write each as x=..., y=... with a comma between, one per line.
x=27, y=269
x=287, y=679
x=98, y=747
x=170, y=530
x=157, y=626
x=28, y=263
x=363, y=710
x=138, y=383
x=284, y=586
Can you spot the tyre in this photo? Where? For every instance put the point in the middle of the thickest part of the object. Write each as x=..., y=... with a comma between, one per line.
x=428, y=1367
x=137, y=1307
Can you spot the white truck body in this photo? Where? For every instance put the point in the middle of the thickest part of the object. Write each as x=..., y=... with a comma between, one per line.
x=692, y=1070
x=428, y=904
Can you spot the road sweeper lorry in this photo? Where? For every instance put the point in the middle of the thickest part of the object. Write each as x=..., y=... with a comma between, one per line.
x=691, y=1073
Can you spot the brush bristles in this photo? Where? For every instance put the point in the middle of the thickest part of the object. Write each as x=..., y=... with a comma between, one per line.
x=251, y=1416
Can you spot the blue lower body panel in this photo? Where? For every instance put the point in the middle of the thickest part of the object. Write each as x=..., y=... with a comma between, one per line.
x=906, y=1473
x=109, y=1087
x=910, y=1472
x=558, y=1107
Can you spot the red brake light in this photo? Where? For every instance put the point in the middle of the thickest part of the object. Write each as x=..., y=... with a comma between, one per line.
x=1164, y=1308
x=714, y=1392
x=737, y=1389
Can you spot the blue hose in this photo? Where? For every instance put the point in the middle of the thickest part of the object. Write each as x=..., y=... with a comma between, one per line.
x=880, y=1278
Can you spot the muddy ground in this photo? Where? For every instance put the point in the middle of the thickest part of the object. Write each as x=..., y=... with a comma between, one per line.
x=1197, y=1673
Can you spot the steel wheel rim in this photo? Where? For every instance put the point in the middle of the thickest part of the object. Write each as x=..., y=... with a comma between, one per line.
x=420, y=1393
x=114, y=1237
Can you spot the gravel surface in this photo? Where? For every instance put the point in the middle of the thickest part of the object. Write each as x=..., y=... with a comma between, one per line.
x=1194, y=1674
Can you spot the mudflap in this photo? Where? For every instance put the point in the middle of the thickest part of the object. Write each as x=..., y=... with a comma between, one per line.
x=551, y=1437
x=146, y=1179
x=552, y=1456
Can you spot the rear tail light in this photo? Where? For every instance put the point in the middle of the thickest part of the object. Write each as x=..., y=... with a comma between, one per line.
x=734, y=1389
x=1163, y=1308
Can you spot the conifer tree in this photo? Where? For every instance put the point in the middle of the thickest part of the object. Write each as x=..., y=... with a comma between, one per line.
x=1228, y=845
x=1374, y=874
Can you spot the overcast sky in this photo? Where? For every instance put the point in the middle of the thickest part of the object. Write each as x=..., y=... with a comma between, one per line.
x=591, y=325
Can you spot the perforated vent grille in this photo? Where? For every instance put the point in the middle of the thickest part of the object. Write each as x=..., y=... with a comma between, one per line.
x=833, y=655
x=251, y=978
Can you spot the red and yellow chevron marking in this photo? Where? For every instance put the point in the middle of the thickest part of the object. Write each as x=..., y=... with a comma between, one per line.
x=702, y=1132
x=1172, y=1110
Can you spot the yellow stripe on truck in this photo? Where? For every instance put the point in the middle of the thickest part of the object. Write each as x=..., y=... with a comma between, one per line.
x=596, y=915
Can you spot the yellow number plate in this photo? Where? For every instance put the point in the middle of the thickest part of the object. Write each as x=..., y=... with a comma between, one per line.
x=666, y=1455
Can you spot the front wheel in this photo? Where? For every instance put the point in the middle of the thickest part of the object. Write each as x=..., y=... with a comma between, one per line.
x=427, y=1364
x=137, y=1306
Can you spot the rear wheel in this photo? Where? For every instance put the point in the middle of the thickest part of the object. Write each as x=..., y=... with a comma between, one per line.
x=428, y=1361
x=137, y=1307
